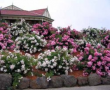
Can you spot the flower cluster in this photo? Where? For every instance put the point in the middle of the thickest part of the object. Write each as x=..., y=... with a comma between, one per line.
x=44, y=29
x=91, y=33
x=5, y=38
x=62, y=39
x=30, y=43
x=93, y=36
x=106, y=41
x=81, y=44
x=57, y=61
x=19, y=28
x=16, y=64
x=95, y=60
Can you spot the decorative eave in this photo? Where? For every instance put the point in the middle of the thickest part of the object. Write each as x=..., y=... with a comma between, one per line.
x=26, y=17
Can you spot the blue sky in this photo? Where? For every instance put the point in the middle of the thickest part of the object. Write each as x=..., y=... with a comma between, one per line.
x=78, y=14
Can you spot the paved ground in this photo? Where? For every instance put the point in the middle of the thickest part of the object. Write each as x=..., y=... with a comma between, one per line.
x=100, y=87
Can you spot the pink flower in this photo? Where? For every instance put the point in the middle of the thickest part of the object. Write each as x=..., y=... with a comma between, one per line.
x=96, y=54
x=53, y=43
x=88, y=45
x=1, y=36
x=74, y=50
x=103, y=62
x=108, y=46
x=80, y=58
x=90, y=57
x=99, y=46
x=95, y=58
x=99, y=63
x=99, y=72
x=12, y=67
x=89, y=64
x=93, y=67
x=65, y=37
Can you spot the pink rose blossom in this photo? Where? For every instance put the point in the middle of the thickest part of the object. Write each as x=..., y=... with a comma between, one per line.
x=89, y=64
x=90, y=57
x=99, y=63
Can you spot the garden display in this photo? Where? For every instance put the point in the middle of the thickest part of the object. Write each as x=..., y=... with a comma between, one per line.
x=67, y=51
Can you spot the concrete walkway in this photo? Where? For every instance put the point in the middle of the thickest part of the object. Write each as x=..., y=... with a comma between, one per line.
x=100, y=87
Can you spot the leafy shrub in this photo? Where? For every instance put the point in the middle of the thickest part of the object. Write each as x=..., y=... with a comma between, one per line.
x=5, y=38
x=57, y=61
x=62, y=39
x=16, y=64
x=19, y=28
x=95, y=60
x=106, y=41
x=44, y=29
x=30, y=43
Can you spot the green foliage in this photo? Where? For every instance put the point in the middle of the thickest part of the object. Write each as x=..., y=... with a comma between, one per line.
x=55, y=62
x=16, y=64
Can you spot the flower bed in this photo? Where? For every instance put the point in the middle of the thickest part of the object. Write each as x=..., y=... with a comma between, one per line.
x=31, y=43
x=56, y=51
x=56, y=61
x=16, y=64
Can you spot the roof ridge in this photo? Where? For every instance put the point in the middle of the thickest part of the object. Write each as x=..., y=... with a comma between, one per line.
x=38, y=9
x=10, y=7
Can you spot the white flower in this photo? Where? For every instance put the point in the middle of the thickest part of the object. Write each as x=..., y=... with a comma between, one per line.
x=18, y=70
x=12, y=67
x=51, y=66
x=22, y=62
x=64, y=49
x=23, y=67
x=47, y=62
x=5, y=70
x=26, y=72
x=54, y=64
x=46, y=69
x=60, y=66
x=71, y=70
x=48, y=79
x=44, y=64
x=1, y=69
x=2, y=62
x=66, y=72
x=53, y=60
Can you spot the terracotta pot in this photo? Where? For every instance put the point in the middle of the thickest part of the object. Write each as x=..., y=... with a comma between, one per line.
x=76, y=73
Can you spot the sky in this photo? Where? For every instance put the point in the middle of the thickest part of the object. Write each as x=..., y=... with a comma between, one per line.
x=78, y=14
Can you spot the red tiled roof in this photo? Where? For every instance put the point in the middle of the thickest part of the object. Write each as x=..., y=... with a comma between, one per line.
x=39, y=11
x=18, y=12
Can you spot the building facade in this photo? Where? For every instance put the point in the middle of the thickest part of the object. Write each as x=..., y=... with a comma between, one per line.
x=13, y=13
